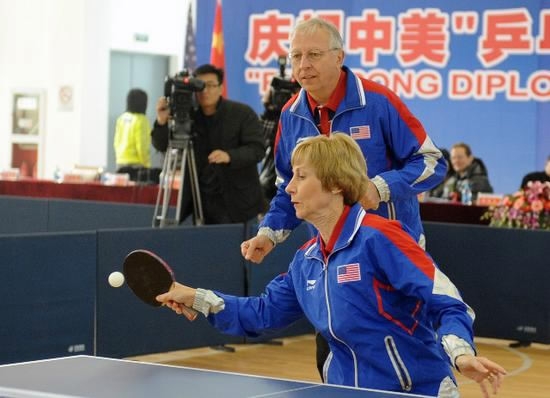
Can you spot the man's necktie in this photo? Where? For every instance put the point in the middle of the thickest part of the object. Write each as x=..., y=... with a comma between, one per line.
x=324, y=124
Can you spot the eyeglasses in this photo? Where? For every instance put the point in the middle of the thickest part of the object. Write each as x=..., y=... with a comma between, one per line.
x=311, y=55
x=211, y=85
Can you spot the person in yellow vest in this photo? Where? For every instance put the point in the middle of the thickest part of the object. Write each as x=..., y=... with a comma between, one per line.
x=133, y=137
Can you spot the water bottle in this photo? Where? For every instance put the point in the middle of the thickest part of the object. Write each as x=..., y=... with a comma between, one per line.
x=466, y=194
x=446, y=192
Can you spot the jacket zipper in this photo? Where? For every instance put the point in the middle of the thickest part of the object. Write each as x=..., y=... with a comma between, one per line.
x=398, y=364
x=327, y=363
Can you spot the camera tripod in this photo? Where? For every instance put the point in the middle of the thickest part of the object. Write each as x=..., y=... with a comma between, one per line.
x=179, y=155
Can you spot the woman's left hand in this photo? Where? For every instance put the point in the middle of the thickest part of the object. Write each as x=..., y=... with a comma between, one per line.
x=484, y=371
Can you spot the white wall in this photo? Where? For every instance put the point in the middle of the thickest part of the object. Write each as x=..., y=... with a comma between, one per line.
x=47, y=44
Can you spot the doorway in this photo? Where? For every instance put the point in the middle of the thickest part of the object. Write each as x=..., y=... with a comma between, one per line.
x=127, y=71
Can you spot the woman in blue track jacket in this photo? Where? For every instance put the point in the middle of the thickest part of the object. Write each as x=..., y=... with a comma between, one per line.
x=392, y=319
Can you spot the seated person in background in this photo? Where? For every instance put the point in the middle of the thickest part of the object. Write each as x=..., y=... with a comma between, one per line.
x=392, y=319
x=542, y=176
x=132, y=137
x=465, y=169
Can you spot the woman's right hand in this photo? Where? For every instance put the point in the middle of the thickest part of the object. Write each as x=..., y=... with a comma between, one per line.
x=257, y=248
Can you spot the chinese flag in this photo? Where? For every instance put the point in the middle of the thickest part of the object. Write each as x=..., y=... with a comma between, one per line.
x=217, y=53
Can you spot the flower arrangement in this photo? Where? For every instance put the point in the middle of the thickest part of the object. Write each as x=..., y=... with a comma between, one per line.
x=528, y=208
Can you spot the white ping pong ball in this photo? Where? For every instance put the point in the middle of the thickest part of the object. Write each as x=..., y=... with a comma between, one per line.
x=116, y=279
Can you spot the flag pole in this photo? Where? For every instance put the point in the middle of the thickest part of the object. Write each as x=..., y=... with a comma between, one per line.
x=190, y=50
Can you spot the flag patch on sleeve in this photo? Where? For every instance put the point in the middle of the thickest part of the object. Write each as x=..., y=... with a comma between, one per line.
x=348, y=273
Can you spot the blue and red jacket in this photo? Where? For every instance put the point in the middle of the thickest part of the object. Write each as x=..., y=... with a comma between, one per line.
x=395, y=145
x=377, y=298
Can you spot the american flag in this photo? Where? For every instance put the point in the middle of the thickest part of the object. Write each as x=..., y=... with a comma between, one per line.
x=190, y=51
x=360, y=132
x=348, y=273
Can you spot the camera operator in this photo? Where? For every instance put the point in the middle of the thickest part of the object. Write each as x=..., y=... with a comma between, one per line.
x=228, y=146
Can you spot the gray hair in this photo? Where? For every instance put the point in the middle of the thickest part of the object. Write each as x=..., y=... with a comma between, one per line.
x=311, y=25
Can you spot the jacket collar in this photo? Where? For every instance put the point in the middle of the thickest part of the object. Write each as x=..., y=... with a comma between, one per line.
x=220, y=105
x=345, y=231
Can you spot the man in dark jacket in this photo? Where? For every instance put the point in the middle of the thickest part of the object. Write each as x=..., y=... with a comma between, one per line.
x=228, y=146
x=466, y=169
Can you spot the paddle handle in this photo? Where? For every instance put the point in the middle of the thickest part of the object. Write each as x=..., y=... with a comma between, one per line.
x=189, y=313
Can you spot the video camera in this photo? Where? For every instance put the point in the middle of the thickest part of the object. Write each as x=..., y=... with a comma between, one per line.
x=179, y=155
x=283, y=88
x=178, y=91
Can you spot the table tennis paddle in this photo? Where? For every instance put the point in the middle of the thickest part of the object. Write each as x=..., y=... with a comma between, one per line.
x=148, y=275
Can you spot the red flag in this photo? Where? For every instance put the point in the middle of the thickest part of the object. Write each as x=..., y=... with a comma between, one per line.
x=217, y=53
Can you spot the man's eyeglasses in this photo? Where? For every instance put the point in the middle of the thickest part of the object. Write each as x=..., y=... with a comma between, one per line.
x=211, y=85
x=311, y=55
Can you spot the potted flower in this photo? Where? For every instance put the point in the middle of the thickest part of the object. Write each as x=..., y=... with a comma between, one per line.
x=528, y=208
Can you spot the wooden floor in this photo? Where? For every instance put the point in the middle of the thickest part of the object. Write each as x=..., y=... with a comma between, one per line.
x=528, y=367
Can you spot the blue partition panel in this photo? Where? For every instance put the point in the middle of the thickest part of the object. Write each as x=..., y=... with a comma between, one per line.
x=206, y=256
x=503, y=274
x=277, y=262
x=23, y=215
x=82, y=215
x=47, y=295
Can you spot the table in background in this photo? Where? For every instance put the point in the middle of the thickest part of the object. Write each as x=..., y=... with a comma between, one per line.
x=452, y=213
x=142, y=194
x=147, y=194
x=86, y=376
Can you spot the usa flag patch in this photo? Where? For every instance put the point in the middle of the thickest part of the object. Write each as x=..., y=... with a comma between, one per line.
x=348, y=273
x=360, y=132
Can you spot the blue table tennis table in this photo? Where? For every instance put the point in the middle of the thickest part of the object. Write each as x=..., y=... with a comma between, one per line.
x=89, y=376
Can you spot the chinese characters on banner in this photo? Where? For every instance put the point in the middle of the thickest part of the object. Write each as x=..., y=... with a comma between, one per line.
x=421, y=38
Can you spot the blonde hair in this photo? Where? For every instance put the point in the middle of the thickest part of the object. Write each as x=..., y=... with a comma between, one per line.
x=338, y=163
